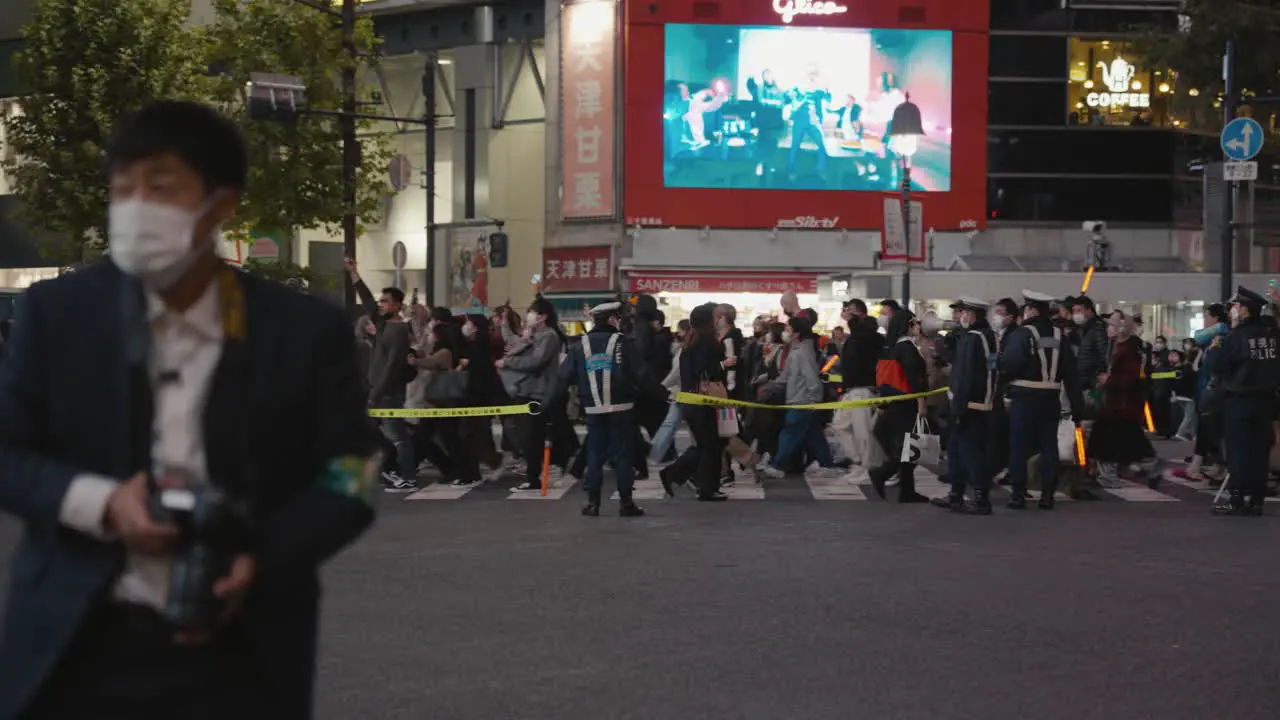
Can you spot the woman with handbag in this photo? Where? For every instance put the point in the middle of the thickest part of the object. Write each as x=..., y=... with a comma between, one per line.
x=445, y=387
x=897, y=419
x=529, y=376
x=701, y=372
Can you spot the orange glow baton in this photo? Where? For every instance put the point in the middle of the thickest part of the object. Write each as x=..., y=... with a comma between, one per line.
x=830, y=363
x=1151, y=426
x=1080, y=447
x=546, y=462
x=1088, y=278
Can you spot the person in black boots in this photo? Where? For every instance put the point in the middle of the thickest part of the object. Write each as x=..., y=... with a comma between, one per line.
x=701, y=363
x=896, y=419
x=1041, y=363
x=1249, y=365
x=605, y=366
x=973, y=399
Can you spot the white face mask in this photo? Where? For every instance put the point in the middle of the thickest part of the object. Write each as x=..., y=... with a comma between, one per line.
x=1078, y=318
x=931, y=324
x=154, y=242
x=468, y=331
x=786, y=336
x=964, y=323
x=998, y=321
x=882, y=321
x=531, y=319
x=1234, y=314
x=1158, y=346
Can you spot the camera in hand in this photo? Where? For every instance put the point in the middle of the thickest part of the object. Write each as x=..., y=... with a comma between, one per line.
x=211, y=530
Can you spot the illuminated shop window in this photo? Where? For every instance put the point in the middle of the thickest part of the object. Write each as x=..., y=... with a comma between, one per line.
x=1106, y=87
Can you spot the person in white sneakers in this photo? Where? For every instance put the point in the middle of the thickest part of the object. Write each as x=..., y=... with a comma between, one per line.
x=801, y=432
x=863, y=347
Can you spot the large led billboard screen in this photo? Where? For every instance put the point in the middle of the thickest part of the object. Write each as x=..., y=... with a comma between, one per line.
x=760, y=113
x=798, y=108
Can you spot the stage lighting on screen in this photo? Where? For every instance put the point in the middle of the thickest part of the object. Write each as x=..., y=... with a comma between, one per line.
x=788, y=108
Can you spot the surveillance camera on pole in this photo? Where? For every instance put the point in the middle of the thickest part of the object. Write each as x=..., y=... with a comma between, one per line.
x=275, y=97
x=1098, y=253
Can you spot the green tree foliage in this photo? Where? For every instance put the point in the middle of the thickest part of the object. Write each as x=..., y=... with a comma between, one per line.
x=91, y=61
x=291, y=274
x=88, y=61
x=296, y=174
x=1195, y=53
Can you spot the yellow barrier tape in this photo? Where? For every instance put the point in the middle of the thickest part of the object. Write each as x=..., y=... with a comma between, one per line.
x=685, y=398
x=526, y=409
x=1172, y=375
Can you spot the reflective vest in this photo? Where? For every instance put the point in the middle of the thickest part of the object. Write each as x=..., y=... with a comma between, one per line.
x=990, y=360
x=1048, y=369
x=599, y=369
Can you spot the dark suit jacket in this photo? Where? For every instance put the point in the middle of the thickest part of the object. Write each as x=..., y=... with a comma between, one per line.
x=64, y=409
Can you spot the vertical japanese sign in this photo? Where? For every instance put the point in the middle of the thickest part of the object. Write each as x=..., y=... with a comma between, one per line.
x=576, y=269
x=587, y=110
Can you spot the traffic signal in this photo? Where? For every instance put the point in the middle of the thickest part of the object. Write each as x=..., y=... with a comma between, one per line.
x=498, y=250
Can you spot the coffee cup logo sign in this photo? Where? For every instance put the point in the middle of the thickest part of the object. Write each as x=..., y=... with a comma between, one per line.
x=1118, y=79
x=789, y=9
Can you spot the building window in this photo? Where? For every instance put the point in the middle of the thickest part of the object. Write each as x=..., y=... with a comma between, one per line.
x=1105, y=87
x=1028, y=56
x=1080, y=151
x=1038, y=15
x=1070, y=199
x=1025, y=103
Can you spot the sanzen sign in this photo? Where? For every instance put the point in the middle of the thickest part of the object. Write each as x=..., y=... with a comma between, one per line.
x=694, y=282
x=1118, y=79
x=789, y=9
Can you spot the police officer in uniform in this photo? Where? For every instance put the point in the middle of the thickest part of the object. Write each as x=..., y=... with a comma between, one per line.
x=972, y=398
x=1249, y=366
x=605, y=366
x=1040, y=363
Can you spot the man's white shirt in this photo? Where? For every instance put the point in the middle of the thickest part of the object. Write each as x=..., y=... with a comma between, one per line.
x=185, y=350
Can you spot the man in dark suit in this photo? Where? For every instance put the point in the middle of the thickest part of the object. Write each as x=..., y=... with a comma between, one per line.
x=184, y=378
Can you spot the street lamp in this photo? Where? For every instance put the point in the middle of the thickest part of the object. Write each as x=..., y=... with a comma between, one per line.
x=905, y=131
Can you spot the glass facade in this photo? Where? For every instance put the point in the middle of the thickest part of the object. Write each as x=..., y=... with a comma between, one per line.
x=1105, y=86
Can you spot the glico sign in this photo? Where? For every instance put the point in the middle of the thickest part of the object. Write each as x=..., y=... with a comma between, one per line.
x=789, y=9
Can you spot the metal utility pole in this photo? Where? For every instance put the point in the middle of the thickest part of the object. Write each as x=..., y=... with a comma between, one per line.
x=1230, y=100
x=905, y=200
x=429, y=94
x=350, y=143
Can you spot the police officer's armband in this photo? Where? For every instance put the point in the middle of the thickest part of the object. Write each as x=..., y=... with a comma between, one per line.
x=353, y=476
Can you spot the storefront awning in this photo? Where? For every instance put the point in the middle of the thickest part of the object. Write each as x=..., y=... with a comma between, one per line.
x=712, y=281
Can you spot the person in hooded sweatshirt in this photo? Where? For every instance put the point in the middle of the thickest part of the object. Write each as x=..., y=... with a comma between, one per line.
x=896, y=419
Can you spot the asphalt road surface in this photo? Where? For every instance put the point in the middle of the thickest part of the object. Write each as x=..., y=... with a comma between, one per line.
x=789, y=607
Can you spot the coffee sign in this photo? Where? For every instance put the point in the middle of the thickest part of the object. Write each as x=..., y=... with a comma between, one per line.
x=1118, y=79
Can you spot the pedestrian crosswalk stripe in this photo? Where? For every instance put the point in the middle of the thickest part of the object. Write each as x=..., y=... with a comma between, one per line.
x=1133, y=492
x=439, y=491
x=834, y=489
x=555, y=490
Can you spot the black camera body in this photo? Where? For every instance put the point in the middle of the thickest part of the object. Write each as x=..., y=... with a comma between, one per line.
x=211, y=529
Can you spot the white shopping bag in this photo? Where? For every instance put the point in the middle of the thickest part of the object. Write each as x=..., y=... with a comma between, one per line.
x=727, y=422
x=1066, y=442
x=921, y=446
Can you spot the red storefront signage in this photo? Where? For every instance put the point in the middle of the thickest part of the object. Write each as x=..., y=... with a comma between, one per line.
x=577, y=269
x=710, y=282
x=588, y=117
x=761, y=111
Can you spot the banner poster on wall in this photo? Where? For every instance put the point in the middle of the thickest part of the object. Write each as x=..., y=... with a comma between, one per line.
x=467, y=285
x=588, y=117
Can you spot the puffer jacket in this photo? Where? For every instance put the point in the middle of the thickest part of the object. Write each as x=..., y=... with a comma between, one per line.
x=1094, y=354
x=537, y=363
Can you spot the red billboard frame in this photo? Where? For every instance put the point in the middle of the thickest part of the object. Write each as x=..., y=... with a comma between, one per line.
x=647, y=202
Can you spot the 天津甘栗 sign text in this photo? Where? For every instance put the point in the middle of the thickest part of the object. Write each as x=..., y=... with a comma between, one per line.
x=789, y=9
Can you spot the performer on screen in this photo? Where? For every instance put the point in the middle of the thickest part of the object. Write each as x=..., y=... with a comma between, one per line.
x=702, y=102
x=769, y=98
x=480, y=266
x=807, y=109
